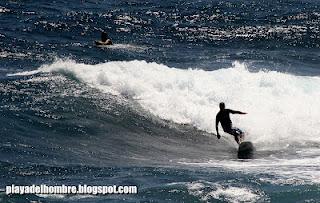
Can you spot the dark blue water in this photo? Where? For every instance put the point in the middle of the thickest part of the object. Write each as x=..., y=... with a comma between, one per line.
x=142, y=111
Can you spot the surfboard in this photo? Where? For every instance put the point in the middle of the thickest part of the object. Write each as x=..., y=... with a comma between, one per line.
x=101, y=43
x=246, y=150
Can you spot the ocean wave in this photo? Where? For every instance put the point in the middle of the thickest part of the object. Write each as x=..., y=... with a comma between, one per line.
x=280, y=106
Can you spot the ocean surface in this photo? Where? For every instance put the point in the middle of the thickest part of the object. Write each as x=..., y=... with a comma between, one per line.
x=142, y=111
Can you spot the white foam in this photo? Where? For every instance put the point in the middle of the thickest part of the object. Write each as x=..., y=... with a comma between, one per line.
x=127, y=47
x=303, y=170
x=55, y=196
x=235, y=194
x=207, y=190
x=282, y=108
x=6, y=54
x=70, y=197
x=4, y=10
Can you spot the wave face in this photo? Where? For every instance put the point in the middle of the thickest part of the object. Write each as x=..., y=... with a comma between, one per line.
x=281, y=107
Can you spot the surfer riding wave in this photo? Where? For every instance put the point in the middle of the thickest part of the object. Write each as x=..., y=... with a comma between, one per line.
x=223, y=116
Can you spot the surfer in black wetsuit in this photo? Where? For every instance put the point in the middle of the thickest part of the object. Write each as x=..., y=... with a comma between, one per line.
x=224, y=118
x=105, y=38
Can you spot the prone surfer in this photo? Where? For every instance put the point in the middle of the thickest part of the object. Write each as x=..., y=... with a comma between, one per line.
x=223, y=116
x=105, y=38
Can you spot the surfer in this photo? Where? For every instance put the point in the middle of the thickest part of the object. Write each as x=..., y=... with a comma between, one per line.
x=105, y=39
x=224, y=118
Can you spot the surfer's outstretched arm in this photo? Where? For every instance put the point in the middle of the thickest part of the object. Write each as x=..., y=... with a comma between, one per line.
x=237, y=112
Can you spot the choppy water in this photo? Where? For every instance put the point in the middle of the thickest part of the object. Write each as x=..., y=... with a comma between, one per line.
x=142, y=111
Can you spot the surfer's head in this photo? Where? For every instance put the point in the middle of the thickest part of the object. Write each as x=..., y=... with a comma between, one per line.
x=222, y=106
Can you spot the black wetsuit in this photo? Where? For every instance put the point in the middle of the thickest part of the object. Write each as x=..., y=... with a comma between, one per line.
x=105, y=38
x=223, y=117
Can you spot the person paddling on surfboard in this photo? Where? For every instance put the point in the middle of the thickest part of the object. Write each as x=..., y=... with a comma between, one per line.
x=223, y=116
x=105, y=39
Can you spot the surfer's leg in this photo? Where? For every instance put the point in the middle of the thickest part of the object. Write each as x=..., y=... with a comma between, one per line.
x=238, y=134
x=236, y=137
x=241, y=136
x=235, y=134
